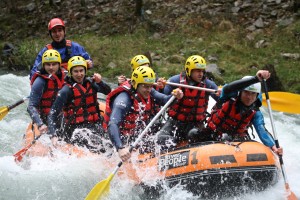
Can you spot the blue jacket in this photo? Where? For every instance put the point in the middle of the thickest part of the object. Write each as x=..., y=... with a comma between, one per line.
x=76, y=50
x=120, y=106
x=232, y=90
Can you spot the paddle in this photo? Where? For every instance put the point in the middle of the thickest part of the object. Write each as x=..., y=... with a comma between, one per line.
x=290, y=194
x=191, y=87
x=102, y=187
x=4, y=109
x=19, y=155
x=284, y=102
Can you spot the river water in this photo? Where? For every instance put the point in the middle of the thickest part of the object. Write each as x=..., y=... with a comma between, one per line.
x=66, y=177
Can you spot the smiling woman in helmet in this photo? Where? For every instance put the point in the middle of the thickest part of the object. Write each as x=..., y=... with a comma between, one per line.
x=238, y=109
x=78, y=100
x=44, y=88
x=130, y=106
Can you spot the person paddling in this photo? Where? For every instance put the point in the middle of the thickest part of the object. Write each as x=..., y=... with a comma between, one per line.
x=190, y=111
x=238, y=109
x=45, y=85
x=78, y=100
x=129, y=109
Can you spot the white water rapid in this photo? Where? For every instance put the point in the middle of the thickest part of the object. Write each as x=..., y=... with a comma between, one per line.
x=70, y=178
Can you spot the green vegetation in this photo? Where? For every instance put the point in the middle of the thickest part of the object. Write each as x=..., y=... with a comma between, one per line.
x=237, y=55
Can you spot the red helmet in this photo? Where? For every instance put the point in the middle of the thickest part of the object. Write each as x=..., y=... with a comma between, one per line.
x=55, y=22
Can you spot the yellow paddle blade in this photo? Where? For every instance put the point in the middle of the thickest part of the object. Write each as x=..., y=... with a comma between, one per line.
x=284, y=102
x=100, y=189
x=3, y=112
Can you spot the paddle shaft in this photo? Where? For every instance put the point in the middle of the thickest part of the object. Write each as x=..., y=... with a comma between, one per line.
x=190, y=87
x=275, y=137
x=19, y=155
x=5, y=109
x=17, y=103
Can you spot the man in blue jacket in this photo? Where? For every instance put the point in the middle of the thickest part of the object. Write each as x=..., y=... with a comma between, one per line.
x=66, y=48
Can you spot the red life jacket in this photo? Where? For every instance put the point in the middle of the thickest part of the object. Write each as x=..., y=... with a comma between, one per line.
x=84, y=107
x=192, y=106
x=137, y=118
x=228, y=120
x=54, y=84
x=64, y=63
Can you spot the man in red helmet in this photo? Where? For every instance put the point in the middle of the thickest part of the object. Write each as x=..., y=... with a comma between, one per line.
x=66, y=48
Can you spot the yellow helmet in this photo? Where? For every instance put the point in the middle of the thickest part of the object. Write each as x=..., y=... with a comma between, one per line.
x=76, y=61
x=51, y=56
x=194, y=62
x=139, y=60
x=142, y=74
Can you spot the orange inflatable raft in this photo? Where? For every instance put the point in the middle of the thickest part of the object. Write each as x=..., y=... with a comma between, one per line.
x=41, y=149
x=209, y=169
